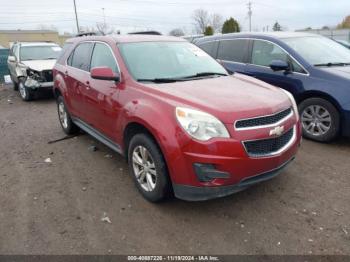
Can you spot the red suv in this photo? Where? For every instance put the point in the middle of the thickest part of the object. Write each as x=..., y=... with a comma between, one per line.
x=185, y=126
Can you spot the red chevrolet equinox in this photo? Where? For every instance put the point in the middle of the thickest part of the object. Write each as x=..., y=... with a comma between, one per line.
x=186, y=127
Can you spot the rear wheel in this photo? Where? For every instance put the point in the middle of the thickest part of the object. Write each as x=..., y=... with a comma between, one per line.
x=65, y=119
x=148, y=168
x=24, y=91
x=320, y=119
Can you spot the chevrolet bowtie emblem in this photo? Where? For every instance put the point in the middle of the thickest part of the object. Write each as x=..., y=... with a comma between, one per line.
x=277, y=131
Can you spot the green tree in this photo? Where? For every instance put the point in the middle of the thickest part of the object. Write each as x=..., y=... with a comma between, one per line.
x=277, y=27
x=230, y=26
x=345, y=23
x=208, y=30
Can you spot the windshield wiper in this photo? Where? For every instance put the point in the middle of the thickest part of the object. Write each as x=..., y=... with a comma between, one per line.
x=159, y=80
x=184, y=78
x=202, y=74
x=332, y=64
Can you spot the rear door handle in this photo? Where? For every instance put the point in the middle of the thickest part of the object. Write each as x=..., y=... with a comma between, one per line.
x=87, y=84
x=66, y=73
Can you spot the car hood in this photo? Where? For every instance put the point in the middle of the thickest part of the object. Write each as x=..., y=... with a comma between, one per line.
x=40, y=65
x=229, y=98
x=342, y=71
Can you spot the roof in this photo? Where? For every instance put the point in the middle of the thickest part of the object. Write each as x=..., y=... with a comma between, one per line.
x=28, y=31
x=37, y=44
x=280, y=35
x=130, y=38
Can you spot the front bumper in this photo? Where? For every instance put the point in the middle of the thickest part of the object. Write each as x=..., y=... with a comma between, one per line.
x=194, y=193
x=33, y=84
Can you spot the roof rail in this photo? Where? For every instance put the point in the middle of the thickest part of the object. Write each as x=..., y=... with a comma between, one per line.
x=145, y=33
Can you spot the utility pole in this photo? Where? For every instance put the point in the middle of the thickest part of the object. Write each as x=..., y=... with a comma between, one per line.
x=76, y=16
x=250, y=15
x=104, y=17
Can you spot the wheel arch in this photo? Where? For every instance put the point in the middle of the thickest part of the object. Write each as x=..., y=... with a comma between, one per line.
x=133, y=128
x=319, y=94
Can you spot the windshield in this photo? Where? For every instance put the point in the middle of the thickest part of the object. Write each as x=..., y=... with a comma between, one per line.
x=168, y=60
x=39, y=52
x=319, y=50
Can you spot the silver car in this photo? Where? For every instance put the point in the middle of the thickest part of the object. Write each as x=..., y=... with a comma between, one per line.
x=30, y=65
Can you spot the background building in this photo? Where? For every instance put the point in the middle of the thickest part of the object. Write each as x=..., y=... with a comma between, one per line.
x=7, y=37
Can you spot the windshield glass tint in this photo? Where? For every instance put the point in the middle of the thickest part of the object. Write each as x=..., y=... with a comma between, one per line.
x=319, y=50
x=154, y=60
x=39, y=52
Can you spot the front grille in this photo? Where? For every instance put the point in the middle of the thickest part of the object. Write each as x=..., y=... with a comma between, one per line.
x=47, y=76
x=270, y=146
x=264, y=120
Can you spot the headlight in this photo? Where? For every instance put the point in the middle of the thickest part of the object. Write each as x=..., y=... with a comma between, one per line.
x=292, y=100
x=200, y=125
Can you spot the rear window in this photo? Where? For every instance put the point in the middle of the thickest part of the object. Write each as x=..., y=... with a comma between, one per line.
x=233, y=50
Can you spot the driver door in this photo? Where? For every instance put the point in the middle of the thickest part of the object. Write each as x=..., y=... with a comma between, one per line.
x=262, y=54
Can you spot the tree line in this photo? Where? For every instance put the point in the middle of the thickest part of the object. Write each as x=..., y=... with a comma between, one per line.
x=209, y=24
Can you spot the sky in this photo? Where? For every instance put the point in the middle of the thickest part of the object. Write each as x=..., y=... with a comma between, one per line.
x=164, y=15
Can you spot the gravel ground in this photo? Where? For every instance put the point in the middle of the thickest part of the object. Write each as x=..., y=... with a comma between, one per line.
x=56, y=208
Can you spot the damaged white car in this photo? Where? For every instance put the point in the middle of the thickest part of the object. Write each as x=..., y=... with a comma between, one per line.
x=30, y=65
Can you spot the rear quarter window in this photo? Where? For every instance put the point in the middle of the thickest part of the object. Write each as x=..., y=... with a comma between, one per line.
x=66, y=47
x=80, y=58
x=209, y=48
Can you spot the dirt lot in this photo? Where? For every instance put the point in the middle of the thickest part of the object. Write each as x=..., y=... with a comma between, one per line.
x=56, y=208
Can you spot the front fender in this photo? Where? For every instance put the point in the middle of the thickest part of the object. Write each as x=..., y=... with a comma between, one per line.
x=161, y=122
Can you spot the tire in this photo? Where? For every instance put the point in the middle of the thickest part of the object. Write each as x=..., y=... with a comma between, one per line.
x=320, y=119
x=25, y=92
x=64, y=117
x=158, y=184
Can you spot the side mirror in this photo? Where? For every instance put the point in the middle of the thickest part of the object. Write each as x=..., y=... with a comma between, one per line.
x=104, y=73
x=11, y=59
x=279, y=65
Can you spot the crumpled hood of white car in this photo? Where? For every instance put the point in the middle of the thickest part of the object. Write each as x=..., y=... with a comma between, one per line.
x=40, y=65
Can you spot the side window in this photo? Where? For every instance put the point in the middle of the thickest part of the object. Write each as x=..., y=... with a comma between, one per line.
x=80, y=58
x=233, y=50
x=264, y=52
x=103, y=56
x=209, y=47
x=297, y=68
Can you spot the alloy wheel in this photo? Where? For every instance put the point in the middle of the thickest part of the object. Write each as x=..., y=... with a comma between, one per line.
x=62, y=114
x=144, y=168
x=22, y=90
x=316, y=120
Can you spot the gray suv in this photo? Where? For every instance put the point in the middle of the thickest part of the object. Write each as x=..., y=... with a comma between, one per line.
x=30, y=65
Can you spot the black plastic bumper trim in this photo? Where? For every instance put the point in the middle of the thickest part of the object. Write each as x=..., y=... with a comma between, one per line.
x=193, y=193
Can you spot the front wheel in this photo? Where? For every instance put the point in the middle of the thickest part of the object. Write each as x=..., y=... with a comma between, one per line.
x=24, y=91
x=148, y=168
x=320, y=119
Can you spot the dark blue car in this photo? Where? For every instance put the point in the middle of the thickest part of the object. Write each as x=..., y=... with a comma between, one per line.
x=315, y=69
